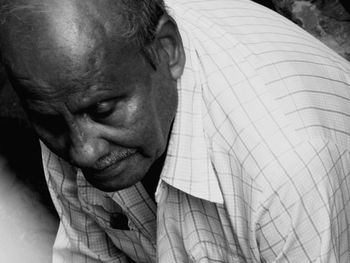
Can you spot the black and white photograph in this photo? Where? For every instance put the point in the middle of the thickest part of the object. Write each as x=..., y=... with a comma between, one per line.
x=174, y=131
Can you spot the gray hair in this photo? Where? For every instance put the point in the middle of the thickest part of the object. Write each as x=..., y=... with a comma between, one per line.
x=141, y=18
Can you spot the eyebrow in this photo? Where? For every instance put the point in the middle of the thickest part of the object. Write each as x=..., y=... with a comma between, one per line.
x=35, y=90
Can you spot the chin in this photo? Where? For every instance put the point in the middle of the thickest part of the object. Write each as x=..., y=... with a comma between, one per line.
x=114, y=183
x=113, y=186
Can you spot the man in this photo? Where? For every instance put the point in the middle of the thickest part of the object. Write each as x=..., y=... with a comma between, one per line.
x=239, y=118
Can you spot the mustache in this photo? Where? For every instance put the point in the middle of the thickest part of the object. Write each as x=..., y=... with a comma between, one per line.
x=113, y=157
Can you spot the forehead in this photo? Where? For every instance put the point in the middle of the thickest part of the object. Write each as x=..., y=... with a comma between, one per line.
x=73, y=26
x=61, y=46
x=82, y=84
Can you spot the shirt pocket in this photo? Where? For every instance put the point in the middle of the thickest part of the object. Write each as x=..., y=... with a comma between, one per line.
x=133, y=243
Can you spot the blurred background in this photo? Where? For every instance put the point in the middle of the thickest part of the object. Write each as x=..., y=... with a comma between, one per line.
x=28, y=221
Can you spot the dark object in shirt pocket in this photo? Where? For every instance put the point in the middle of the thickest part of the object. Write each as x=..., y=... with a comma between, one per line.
x=119, y=221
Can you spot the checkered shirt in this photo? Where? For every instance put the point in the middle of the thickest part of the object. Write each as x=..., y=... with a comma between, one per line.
x=257, y=168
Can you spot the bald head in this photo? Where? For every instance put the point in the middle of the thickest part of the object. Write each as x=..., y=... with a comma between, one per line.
x=139, y=17
x=58, y=29
x=49, y=38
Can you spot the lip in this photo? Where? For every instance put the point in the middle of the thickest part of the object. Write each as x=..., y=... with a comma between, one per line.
x=108, y=168
x=112, y=159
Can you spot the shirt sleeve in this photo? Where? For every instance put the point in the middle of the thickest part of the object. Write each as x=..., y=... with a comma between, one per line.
x=79, y=237
x=304, y=208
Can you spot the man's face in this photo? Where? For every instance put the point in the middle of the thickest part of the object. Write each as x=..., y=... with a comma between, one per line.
x=96, y=102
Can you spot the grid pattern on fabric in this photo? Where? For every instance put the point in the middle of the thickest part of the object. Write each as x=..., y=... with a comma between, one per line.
x=85, y=233
x=79, y=239
x=258, y=161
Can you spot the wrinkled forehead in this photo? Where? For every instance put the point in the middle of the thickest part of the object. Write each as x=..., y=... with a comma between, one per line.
x=45, y=39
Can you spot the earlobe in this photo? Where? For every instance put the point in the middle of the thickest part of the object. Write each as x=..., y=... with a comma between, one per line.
x=170, y=41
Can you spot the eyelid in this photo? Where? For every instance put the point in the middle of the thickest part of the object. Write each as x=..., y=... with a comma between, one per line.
x=105, y=103
x=96, y=112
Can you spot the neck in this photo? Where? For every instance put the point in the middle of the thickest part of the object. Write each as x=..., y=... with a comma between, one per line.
x=151, y=179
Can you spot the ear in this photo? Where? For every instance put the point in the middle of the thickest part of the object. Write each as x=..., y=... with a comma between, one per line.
x=169, y=40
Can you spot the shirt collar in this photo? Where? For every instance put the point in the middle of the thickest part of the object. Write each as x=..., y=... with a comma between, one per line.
x=188, y=166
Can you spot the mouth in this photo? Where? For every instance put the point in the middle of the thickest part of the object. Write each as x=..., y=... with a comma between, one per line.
x=113, y=159
x=113, y=172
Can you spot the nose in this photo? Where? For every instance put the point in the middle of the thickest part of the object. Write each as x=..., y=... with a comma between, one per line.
x=87, y=144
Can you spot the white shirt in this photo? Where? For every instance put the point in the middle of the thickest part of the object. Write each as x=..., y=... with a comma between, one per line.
x=257, y=168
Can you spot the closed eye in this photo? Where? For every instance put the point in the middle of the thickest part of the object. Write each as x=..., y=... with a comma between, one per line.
x=102, y=109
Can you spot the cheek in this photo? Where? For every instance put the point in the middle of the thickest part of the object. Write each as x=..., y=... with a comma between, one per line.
x=145, y=124
x=139, y=111
x=134, y=111
x=135, y=120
